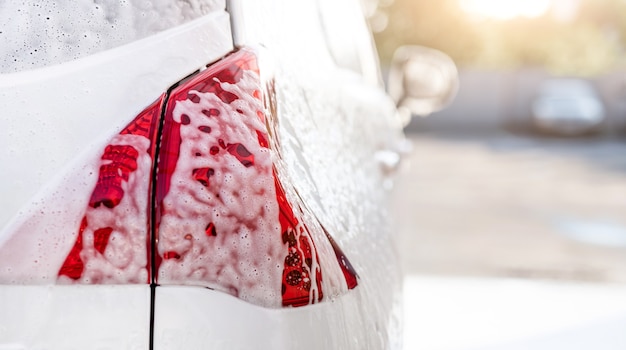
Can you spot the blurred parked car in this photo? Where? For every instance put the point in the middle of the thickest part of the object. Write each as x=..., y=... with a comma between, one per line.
x=568, y=107
x=194, y=174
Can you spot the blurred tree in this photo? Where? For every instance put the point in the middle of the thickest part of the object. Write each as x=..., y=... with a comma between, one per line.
x=587, y=44
x=437, y=24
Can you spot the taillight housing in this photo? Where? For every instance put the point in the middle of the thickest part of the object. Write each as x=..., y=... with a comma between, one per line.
x=194, y=192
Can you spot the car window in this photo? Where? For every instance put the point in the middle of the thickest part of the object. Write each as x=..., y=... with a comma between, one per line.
x=348, y=38
x=35, y=34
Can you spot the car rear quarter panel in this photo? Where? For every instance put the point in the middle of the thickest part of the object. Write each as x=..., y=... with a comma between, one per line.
x=332, y=121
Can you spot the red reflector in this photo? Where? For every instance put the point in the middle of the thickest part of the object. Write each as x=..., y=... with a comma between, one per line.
x=122, y=161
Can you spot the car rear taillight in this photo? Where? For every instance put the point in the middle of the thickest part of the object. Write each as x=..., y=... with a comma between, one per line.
x=194, y=192
x=225, y=218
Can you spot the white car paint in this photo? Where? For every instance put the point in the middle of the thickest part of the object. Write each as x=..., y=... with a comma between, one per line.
x=198, y=318
x=74, y=317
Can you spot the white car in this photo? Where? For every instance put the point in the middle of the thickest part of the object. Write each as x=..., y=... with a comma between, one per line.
x=568, y=107
x=194, y=175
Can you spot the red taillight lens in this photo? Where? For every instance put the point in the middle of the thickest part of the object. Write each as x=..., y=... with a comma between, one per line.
x=196, y=183
x=224, y=219
x=112, y=245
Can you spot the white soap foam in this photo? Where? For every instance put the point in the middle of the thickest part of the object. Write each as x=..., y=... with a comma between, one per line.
x=36, y=34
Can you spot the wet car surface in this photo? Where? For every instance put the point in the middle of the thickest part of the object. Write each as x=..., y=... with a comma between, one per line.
x=215, y=177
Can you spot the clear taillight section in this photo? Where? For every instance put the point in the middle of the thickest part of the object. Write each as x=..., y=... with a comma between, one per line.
x=210, y=201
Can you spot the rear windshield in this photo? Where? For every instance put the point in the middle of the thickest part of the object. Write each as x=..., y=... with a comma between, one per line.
x=39, y=33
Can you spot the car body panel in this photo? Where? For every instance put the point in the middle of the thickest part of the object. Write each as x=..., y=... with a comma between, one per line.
x=198, y=318
x=74, y=317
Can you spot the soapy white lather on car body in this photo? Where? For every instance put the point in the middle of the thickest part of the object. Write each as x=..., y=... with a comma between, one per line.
x=332, y=117
x=40, y=33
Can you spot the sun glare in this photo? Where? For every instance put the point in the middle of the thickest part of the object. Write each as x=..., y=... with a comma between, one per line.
x=506, y=9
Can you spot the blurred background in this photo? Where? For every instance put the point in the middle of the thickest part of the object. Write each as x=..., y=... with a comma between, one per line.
x=515, y=195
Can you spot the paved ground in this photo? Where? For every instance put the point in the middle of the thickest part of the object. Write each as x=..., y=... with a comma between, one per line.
x=515, y=206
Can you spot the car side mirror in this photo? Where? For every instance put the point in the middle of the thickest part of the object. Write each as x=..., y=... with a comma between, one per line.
x=422, y=80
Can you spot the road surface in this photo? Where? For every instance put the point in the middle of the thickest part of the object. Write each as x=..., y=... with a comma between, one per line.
x=503, y=205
